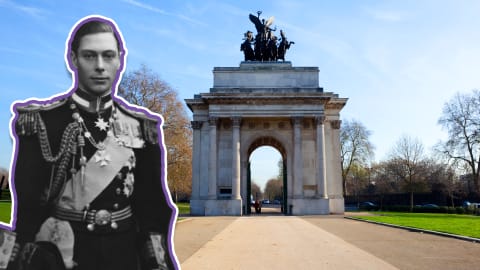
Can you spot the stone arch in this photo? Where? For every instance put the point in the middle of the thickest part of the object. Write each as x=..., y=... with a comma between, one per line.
x=272, y=142
x=267, y=141
x=256, y=102
x=277, y=140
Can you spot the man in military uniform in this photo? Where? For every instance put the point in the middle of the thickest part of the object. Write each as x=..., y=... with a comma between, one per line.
x=88, y=171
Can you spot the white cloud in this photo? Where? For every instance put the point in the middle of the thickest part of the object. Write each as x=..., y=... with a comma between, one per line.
x=191, y=20
x=386, y=15
x=29, y=10
x=145, y=6
x=163, y=12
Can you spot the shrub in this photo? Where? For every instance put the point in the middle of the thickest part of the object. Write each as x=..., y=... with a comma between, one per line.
x=398, y=208
x=442, y=209
x=469, y=211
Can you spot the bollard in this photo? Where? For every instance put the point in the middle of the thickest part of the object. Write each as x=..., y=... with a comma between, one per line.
x=290, y=207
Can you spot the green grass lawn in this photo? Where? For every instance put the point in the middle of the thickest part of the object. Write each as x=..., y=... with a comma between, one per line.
x=183, y=208
x=465, y=225
x=5, y=211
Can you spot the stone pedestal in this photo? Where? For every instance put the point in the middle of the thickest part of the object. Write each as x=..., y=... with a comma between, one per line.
x=197, y=207
x=310, y=206
x=337, y=206
x=223, y=207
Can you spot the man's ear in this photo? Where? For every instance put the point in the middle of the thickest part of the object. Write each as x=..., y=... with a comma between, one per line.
x=74, y=59
x=120, y=57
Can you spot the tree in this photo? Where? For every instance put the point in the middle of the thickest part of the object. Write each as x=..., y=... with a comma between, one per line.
x=3, y=178
x=358, y=180
x=382, y=181
x=3, y=181
x=407, y=162
x=274, y=189
x=280, y=169
x=144, y=88
x=461, y=119
x=442, y=180
x=356, y=148
x=256, y=191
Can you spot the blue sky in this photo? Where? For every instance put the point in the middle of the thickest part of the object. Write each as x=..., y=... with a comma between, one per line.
x=398, y=62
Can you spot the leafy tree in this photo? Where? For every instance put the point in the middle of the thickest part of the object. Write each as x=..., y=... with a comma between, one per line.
x=356, y=149
x=407, y=163
x=143, y=87
x=461, y=119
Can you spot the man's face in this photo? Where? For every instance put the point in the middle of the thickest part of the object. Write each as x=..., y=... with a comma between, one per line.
x=97, y=61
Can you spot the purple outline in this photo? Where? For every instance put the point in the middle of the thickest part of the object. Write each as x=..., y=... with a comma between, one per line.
x=71, y=68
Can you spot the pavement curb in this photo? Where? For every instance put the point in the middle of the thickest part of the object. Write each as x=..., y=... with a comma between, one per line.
x=412, y=229
x=183, y=219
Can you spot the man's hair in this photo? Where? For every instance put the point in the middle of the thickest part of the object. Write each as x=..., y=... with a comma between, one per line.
x=92, y=27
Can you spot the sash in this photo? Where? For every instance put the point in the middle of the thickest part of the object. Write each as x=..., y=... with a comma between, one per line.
x=99, y=172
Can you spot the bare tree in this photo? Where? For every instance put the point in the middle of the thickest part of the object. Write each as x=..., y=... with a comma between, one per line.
x=356, y=148
x=461, y=119
x=442, y=179
x=382, y=181
x=256, y=191
x=407, y=162
x=3, y=181
x=280, y=169
x=144, y=88
x=3, y=178
x=274, y=189
x=358, y=181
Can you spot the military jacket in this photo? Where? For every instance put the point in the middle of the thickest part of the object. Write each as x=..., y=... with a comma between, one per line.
x=53, y=147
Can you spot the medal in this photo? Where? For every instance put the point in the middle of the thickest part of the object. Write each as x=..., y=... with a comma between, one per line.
x=102, y=157
x=101, y=124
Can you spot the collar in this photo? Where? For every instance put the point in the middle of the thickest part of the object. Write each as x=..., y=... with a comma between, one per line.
x=91, y=103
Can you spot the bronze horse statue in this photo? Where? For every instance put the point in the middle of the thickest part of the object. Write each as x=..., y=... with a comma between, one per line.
x=266, y=46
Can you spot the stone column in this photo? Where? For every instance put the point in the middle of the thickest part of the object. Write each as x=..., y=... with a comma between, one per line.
x=196, y=125
x=212, y=165
x=321, y=159
x=336, y=160
x=297, y=158
x=236, y=158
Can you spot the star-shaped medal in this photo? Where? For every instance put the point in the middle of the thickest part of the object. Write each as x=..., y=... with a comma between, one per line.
x=101, y=124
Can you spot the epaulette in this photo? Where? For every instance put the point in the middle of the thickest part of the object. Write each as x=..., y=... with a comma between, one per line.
x=148, y=124
x=150, y=131
x=29, y=116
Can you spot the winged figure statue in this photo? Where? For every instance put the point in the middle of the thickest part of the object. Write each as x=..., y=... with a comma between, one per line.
x=266, y=46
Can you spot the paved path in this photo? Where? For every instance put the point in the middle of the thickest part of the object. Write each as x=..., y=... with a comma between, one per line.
x=278, y=242
x=320, y=242
x=402, y=248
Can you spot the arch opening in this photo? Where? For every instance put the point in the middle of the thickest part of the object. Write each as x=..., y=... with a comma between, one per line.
x=266, y=177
